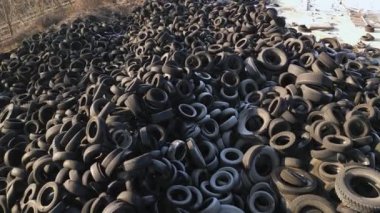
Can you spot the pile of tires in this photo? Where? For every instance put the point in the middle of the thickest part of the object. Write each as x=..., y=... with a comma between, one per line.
x=188, y=106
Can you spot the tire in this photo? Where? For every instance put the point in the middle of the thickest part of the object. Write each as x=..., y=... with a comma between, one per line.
x=310, y=183
x=210, y=205
x=172, y=195
x=230, y=209
x=306, y=60
x=315, y=79
x=269, y=201
x=293, y=162
x=327, y=61
x=273, y=58
x=349, y=195
x=328, y=170
x=260, y=161
x=292, y=178
x=369, y=28
x=257, y=119
x=356, y=127
x=337, y=143
x=367, y=37
x=278, y=125
x=344, y=209
x=283, y=142
x=55, y=189
x=310, y=202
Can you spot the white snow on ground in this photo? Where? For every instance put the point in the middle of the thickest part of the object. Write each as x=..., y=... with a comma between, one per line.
x=364, y=5
x=325, y=12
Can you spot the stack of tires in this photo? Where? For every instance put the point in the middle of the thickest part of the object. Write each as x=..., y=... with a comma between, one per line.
x=188, y=106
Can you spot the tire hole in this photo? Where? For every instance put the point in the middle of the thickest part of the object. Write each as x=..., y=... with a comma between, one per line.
x=364, y=187
x=254, y=123
x=263, y=165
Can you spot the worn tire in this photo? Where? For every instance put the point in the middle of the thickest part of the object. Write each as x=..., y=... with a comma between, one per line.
x=310, y=201
x=352, y=198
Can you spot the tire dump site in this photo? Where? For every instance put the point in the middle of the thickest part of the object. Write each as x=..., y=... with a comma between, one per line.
x=188, y=106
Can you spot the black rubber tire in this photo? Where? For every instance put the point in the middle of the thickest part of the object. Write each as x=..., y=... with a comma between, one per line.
x=327, y=61
x=177, y=150
x=316, y=95
x=367, y=37
x=316, y=79
x=309, y=201
x=344, y=209
x=337, y=143
x=356, y=127
x=292, y=177
x=270, y=201
x=303, y=28
x=369, y=28
x=256, y=118
x=273, y=58
x=3, y=204
x=283, y=142
x=264, y=186
x=231, y=157
x=226, y=208
x=278, y=125
x=222, y=182
x=172, y=194
x=293, y=162
x=234, y=173
x=210, y=205
x=323, y=129
x=288, y=188
x=328, y=170
x=195, y=154
x=197, y=197
x=262, y=155
x=306, y=60
x=350, y=197
x=53, y=193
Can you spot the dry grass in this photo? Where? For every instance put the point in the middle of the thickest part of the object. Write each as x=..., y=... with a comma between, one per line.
x=79, y=8
x=82, y=5
x=38, y=25
x=50, y=19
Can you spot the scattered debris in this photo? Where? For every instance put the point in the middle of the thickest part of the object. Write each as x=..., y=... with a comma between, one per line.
x=361, y=45
x=369, y=28
x=321, y=26
x=303, y=28
x=367, y=37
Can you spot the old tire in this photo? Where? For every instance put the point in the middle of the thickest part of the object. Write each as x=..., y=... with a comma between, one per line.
x=359, y=188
